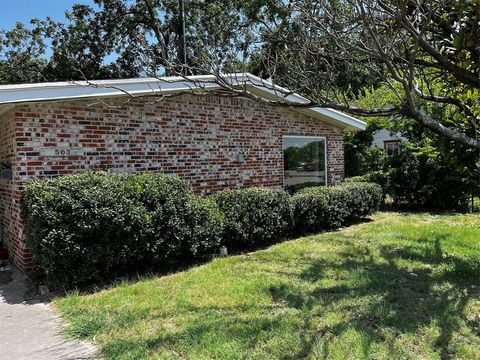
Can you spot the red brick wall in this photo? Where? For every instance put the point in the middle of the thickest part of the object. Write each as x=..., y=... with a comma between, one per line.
x=197, y=138
x=11, y=224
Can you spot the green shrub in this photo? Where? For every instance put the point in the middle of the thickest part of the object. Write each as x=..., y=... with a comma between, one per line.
x=380, y=177
x=423, y=182
x=293, y=189
x=475, y=204
x=362, y=199
x=429, y=173
x=254, y=216
x=355, y=179
x=96, y=225
x=324, y=208
x=319, y=208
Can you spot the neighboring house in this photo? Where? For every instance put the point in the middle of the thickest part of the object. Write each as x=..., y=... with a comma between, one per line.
x=213, y=142
x=387, y=140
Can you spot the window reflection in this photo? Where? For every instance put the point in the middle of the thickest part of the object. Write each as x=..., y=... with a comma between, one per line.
x=304, y=160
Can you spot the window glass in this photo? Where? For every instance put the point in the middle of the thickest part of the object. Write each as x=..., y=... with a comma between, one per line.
x=392, y=147
x=304, y=160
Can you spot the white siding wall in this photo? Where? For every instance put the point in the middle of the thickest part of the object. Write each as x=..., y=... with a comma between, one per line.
x=384, y=135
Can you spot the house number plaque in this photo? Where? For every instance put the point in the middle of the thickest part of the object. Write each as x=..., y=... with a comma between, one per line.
x=61, y=152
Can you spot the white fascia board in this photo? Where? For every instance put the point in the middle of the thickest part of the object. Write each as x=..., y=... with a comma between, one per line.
x=348, y=122
x=332, y=116
x=102, y=88
x=11, y=94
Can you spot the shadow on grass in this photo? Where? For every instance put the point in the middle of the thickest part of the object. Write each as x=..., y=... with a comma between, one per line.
x=404, y=302
x=139, y=272
x=409, y=300
x=372, y=287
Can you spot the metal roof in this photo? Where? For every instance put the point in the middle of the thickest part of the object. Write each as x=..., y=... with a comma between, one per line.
x=55, y=91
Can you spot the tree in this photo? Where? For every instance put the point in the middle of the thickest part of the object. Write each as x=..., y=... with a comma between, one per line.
x=22, y=50
x=422, y=51
x=124, y=38
x=80, y=48
x=431, y=171
x=45, y=50
x=216, y=32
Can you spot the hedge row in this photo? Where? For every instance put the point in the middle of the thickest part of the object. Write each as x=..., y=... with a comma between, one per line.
x=321, y=208
x=93, y=226
x=254, y=216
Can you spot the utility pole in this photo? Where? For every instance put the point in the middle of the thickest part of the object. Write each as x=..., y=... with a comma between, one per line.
x=182, y=45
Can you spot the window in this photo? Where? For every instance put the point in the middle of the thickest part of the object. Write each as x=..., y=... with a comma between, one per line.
x=391, y=147
x=304, y=160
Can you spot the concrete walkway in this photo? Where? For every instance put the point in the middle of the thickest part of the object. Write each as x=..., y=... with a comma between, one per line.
x=29, y=328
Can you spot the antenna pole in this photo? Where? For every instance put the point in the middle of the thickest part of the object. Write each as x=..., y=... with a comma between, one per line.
x=182, y=46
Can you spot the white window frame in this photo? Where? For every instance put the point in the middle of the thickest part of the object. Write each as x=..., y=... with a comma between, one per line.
x=324, y=138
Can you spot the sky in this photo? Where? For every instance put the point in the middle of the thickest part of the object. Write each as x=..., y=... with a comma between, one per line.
x=12, y=11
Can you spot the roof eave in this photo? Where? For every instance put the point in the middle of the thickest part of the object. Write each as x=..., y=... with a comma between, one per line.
x=13, y=94
x=79, y=91
x=334, y=117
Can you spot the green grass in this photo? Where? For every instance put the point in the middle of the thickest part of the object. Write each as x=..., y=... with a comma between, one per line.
x=405, y=286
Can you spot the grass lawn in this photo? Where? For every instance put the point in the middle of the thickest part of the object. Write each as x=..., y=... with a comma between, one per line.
x=405, y=286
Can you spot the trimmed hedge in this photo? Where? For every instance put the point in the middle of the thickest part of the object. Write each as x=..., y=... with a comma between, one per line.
x=363, y=199
x=293, y=189
x=254, y=216
x=321, y=208
x=380, y=177
x=96, y=225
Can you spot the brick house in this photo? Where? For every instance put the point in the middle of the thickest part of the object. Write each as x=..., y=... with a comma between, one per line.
x=212, y=141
